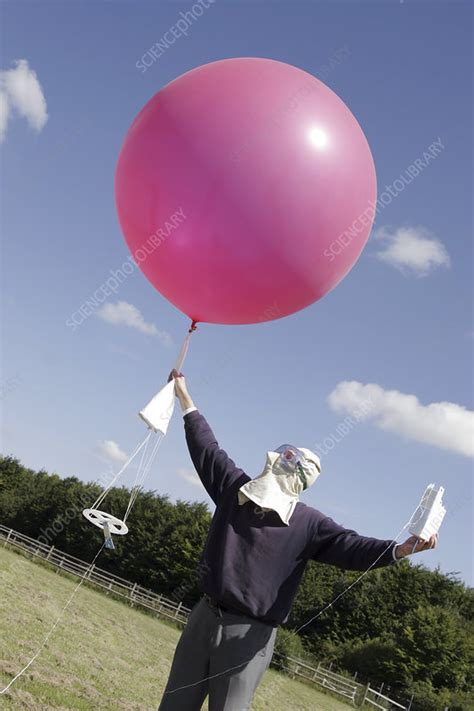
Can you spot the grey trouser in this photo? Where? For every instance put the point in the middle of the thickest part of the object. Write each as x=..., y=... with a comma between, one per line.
x=221, y=654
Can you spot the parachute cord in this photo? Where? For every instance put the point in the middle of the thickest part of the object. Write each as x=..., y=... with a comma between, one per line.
x=129, y=460
x=140, y=480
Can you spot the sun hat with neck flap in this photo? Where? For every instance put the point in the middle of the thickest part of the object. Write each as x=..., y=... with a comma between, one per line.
x=287, y=473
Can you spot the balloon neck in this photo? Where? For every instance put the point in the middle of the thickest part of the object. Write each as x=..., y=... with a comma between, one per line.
x=193, y=326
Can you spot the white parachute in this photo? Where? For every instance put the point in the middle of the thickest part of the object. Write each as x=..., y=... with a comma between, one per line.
x=156, y=415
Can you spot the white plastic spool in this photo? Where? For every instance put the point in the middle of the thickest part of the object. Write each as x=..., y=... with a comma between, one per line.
x=100, y=518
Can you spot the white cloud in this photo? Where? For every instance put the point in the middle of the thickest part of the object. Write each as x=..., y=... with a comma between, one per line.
x=4, y=113
x=124, y=314
x=21, y=91
x=189, y=475
x=412, y=250
x=110, y=450
x=441, y=424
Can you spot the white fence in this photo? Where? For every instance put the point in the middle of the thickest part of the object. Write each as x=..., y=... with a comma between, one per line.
x=322, y=676
x=133, y=593
x=355, y=693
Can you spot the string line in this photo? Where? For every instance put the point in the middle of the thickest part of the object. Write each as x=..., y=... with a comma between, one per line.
x=410, y=520
x=140, y=480
x=137, y=477
x=114, y=479
x=46, y=639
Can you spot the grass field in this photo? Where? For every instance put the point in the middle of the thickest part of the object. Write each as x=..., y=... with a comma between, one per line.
x=103, y=655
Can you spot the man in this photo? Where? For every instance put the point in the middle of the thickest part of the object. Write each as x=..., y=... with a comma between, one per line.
x=259, y=542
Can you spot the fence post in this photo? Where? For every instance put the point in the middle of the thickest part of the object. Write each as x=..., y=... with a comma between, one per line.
x=8, y=536
x=177, y=610
x=49, y=553
x=132, y=593
x=366, y=693
x=411, y=701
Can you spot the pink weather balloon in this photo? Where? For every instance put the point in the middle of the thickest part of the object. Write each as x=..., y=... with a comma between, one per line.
x=245, y=190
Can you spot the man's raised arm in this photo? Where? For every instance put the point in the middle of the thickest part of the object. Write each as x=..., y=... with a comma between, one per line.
x=215, y=468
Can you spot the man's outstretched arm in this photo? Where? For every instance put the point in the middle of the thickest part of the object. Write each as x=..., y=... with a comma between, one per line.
x=215, y=468
x=346, y=549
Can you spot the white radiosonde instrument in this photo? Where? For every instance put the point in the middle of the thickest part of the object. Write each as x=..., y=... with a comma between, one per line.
x=429, y=515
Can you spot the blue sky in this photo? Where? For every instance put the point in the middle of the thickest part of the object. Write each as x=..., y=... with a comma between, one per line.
x=406, y=75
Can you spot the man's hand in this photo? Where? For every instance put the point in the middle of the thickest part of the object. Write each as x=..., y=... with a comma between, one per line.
x=407, y=548
x=181, y=390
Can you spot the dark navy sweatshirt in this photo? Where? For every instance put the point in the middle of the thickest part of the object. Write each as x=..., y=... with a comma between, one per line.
x=252, y=562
